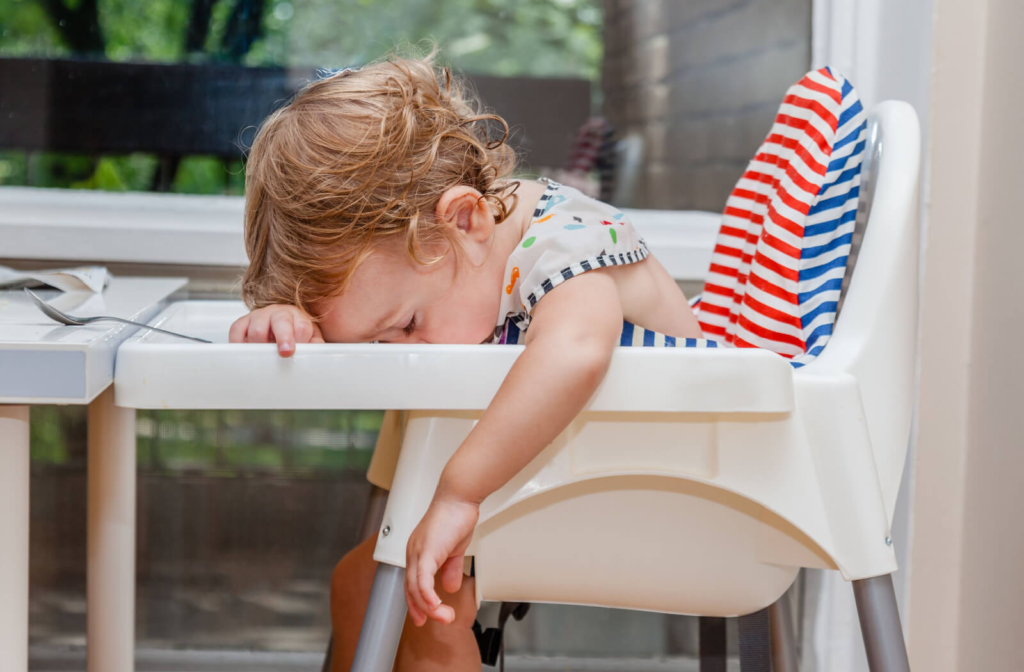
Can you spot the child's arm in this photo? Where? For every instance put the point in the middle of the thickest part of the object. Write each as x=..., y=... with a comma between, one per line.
x=281, y=324
x=574, y=331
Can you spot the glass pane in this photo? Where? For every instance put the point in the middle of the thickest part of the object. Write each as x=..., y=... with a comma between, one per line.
x=242, y=516
x=531, y=38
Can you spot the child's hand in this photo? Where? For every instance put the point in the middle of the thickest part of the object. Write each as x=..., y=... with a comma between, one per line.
x=439, y=542
x=285, y=325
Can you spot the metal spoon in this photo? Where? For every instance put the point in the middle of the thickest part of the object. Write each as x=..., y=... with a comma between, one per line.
x=73, y=321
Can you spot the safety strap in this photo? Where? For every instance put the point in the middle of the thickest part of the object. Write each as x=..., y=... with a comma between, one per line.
x=491, y=640
x=713, y=649
x=755, y=642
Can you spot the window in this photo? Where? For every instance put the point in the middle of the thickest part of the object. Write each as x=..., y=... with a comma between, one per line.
x=282, y=41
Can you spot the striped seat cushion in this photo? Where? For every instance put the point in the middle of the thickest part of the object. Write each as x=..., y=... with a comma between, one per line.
x=777, y=268
x=632, y=336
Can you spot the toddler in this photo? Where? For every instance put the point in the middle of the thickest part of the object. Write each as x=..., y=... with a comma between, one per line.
x=378, y=208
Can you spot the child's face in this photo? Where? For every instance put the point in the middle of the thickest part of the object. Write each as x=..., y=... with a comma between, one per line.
x=393, y=299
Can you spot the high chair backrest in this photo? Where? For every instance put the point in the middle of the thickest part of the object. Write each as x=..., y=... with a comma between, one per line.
x=777, y=270
x=875, y=338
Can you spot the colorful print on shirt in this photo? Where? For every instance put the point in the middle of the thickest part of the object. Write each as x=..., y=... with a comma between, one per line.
x=570, y=234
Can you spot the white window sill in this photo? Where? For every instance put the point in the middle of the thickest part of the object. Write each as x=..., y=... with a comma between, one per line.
x=72, y=225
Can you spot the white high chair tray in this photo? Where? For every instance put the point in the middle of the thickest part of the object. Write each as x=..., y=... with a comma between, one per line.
x=157, y=371
x=43, y=362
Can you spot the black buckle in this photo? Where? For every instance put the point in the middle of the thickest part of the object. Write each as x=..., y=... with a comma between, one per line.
x=490, y=640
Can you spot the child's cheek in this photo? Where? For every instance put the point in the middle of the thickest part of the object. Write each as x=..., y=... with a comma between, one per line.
x=471, y=329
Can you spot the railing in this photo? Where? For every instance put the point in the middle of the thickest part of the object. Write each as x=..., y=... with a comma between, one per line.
x=96, y=107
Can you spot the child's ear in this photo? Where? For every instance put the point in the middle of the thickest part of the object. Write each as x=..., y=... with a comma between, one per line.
x=462, y=208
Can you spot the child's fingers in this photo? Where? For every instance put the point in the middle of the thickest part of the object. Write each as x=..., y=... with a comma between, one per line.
x=259, y=328
x=304, y=330
x=412, y=585
x=417, y=616
x=284, y=333
x=237, y=332
x=317, y=336
x=443, y=614
x=426, y=574
x=451, y=574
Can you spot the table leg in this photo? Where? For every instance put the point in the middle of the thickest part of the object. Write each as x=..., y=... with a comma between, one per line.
x=110, y=615
x=14, y=484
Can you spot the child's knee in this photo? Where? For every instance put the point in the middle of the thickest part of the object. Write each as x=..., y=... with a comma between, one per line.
x=463, y=601
x=352, y=578
x=350, y=592
x=357, y=561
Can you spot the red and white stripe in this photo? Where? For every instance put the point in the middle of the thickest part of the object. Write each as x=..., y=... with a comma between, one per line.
x=751, y=296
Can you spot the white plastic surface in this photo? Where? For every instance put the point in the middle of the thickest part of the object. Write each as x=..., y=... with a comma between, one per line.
x=157, y=371
x=77, y=361
x=875, y=338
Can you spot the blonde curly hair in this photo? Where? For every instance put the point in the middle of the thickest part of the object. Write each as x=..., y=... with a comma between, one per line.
x=354, y=159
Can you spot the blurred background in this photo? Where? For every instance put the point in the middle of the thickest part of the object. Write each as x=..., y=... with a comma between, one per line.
x=242, y=515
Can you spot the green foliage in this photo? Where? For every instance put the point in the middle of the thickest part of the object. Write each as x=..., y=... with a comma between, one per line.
x=221, y=443
x=13, y=168
x=209, y=175
x=121, y=173
x=540, y=38
x=26, y=30
x=46, y=441
x=233, y=443
x=144, y=31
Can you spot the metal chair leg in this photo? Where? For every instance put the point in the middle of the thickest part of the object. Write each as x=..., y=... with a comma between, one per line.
x=382, y=625
x=880, y=625
x=784, y=656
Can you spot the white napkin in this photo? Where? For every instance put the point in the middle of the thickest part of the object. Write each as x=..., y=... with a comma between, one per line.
x=81, y=279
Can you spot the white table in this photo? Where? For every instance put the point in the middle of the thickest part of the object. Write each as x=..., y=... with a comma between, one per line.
x=42, y=362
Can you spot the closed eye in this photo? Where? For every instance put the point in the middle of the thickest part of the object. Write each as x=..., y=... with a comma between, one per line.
x=411, y=327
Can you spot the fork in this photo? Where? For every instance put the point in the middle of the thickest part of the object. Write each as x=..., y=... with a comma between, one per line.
x=72, y=321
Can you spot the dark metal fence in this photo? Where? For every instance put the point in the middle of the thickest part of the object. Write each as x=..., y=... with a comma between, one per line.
x=99, y=107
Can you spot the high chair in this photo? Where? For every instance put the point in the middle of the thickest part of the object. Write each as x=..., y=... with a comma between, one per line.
x=696, y=481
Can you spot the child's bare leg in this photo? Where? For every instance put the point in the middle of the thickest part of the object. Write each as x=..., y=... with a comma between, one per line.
x=434, y=647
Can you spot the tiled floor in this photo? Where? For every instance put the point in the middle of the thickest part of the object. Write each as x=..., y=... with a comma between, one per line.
x=291, y=619
x=63, y=659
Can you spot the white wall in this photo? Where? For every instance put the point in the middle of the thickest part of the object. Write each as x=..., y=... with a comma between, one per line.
x=991, y=585
x=968, y=594
x=954, y=138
